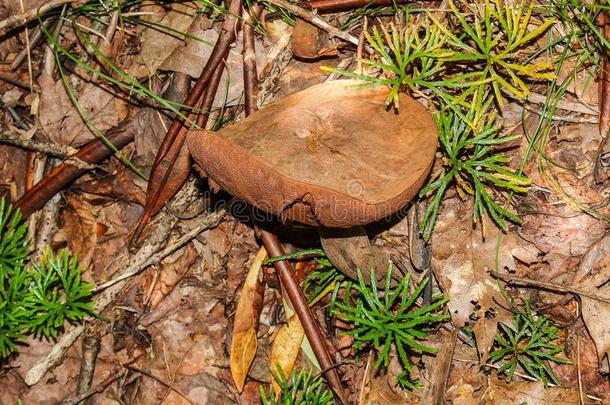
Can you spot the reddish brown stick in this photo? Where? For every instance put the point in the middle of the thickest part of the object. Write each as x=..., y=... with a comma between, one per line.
x=250, y=73
x=175, y=138
x=301, y=308
x=273, y=245
x=604, y=97
x=210, y=94
x=64, y=174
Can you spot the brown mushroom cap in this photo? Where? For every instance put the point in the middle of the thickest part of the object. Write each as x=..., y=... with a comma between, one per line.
x=331, y=155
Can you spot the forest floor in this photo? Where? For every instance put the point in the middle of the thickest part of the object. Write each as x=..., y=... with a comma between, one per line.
x=514, y=215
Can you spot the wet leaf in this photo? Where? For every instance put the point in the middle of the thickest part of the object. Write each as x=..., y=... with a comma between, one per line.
x=243, y=343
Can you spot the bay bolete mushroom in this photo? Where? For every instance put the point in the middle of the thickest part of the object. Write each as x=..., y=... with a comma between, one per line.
x=332, y=156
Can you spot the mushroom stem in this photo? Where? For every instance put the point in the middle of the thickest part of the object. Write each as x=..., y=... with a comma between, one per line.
x=291, y=285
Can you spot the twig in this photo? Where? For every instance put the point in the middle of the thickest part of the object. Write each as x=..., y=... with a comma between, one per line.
x=579, y=108
x=578, y=372
x=21, y=85
x=250, y=72
x=101, y=387
x=21, y=19
x=315, y=20
x=176, y=136
x=604, y=98
x=50, y=148
x=34, y=40
x=64, y=174
x=331, y=6
x=547, y=286
x=301, y=308
x=211, y=221
x=90, y=348
x=158, y=379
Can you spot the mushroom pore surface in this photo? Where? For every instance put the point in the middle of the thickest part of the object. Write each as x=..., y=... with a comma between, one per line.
x=332, y=155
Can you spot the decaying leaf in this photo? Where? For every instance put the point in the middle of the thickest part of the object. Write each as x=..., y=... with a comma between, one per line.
x=461, y=260
x=310, y=42
x=285, y=348
x=243, y=343
x=593, y=275
x=158, y=44
x=531, y=393
x=61, y=121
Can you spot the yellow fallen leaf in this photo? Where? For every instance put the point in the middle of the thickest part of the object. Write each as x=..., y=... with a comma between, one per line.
x=285, y=349
x=249, y=306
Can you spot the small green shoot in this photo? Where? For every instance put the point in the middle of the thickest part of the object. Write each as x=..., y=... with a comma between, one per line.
x=303, y=388
x=324, y=279
x=529, y=346
x=390, y=319
x=473, y=165
x=35, y=298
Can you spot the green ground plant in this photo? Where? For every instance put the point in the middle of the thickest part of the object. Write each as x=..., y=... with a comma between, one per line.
x=36, y=298
x=390, y=318
x=303, y=388
x=323, y=280
x=528, y=346
x=472, y=164
x=467, y=63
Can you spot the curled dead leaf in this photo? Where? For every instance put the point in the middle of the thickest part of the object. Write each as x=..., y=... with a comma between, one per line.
x=243, y=343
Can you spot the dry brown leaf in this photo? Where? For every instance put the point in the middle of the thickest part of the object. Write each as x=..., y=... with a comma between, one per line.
x=285, y=349
x=461, y=260
x=172, y=270
x=249, y=306
x=157, y=45
x=592, y=275
x=500, y=392
x=191, y=56
x=61, y=121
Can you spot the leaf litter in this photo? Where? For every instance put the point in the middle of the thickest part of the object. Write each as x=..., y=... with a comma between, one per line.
x=174, y=324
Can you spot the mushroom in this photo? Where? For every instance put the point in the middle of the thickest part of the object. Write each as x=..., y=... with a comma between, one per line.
x=331, y=156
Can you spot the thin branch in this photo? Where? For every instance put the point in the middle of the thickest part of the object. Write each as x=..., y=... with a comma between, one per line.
x=64, y=174
x=160, y=380
x=210, y=221
x=316, y=20
x=101, y=387
x=50, y=148
x=20, y=19
x=526, y=282
x=274, y=248
x=157, y=192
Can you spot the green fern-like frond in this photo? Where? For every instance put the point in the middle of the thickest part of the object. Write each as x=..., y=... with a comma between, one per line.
x=303, y=388
x=491, y=42
x=472, y=164
x=35, y=298
x=14, y=242
x=390, y=318
x=528, y=346
x=57, y=294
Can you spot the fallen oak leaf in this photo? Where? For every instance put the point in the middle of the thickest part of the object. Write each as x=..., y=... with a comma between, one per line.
x=249, y=306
